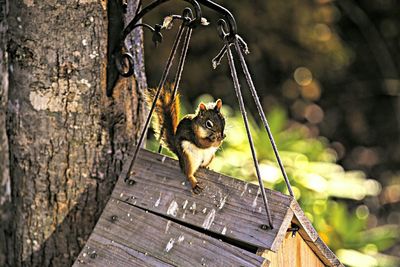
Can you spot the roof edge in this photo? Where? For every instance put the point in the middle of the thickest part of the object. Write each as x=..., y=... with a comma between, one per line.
x=283, y=229
x=310, y=235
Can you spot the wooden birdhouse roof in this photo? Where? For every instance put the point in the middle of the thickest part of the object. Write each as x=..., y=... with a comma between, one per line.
x=156, y=220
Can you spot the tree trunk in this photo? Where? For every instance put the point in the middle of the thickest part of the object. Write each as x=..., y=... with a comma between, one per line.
x=5, y=185
x=67, y=140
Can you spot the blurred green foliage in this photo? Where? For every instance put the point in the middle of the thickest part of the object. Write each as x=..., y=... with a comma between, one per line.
x=320, y=185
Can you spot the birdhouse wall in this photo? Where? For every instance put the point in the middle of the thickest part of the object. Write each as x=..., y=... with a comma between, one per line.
x=293, y=251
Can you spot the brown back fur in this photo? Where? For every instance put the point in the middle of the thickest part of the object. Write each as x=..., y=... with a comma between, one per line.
x=167, y=111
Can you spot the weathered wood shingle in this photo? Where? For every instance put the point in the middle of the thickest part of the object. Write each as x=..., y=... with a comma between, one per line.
x=226, y=206
x=129, y=236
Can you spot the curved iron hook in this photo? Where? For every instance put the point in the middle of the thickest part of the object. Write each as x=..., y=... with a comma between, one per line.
x=195, y=3
x=120, y=62
x=225, y=12
x=145, y=25
x=188, y=17
x=197, y=11
x=124, y=61
x=222, y=29
x=150, y=7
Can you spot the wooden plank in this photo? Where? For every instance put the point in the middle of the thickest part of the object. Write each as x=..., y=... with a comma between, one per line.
x=305, y=255
x=128, y=236
x=293, y=251
x=100, y=251
x=286, y=223
x=266, y=263
x=277, y=244
x=307, y=230
x=226, y=206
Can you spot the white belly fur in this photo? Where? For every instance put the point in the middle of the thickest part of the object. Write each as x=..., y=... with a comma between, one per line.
x=200, y=156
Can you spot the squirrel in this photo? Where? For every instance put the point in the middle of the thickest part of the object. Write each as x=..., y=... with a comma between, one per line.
x=195, y=139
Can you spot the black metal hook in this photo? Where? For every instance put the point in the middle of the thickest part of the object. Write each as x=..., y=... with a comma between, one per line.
x=228, y=40
x=124, y=61
x=132, y=25
x=223, y=11
x=223, y=29
x=197, y=11
x=294, y=228
x=198, y=14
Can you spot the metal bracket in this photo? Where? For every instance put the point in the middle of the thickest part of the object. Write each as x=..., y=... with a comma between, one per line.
x=121, y=62
x=294, y=228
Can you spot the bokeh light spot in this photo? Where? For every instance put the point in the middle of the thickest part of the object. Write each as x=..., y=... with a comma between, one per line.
x=269, y=173
x=311, y=92
x=314, y=114
x=323, y=32
x=303, y=76
x=362, y=212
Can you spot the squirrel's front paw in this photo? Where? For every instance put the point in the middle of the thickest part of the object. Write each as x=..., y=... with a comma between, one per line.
x=197, y=188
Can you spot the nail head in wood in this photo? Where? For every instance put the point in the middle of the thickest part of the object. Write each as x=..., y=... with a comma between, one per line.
x=130, y=182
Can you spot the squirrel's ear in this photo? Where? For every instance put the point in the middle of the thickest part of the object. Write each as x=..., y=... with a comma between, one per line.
x=202, y=106
x=218, y=105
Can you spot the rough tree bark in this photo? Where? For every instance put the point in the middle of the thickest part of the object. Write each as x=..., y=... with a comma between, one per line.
x=5, y=185
x=66, y=140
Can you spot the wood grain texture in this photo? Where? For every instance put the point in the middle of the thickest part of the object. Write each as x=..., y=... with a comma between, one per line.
x=286, y=223
x=307, y=230
x=129, y=236
x=324, y=253
x=226, y=206
x=293, y=252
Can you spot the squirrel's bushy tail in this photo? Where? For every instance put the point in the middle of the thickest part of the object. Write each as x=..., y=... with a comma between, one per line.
x=167, y=115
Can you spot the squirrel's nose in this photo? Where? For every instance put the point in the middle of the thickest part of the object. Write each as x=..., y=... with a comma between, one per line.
x=221, y=136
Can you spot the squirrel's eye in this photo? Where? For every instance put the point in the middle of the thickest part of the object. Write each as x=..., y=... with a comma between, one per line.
x=209, y=124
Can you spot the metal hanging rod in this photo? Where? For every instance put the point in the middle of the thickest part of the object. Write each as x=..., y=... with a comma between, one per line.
x=157, y=95
x=227, y=30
